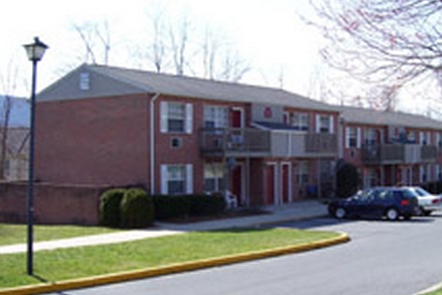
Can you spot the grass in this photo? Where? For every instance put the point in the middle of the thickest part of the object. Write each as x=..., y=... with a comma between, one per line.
x=436, y=292
x=15, y=234
x=98, y=260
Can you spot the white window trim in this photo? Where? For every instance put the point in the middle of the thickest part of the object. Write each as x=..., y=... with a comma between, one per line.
x=188, y=178
x=188, y=117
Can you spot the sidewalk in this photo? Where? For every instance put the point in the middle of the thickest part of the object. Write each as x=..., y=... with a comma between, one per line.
x=277, y=214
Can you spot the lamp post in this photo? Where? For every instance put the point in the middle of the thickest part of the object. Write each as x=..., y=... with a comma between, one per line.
x=35, y=52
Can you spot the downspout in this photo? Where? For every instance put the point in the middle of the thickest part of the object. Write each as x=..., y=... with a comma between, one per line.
x=152, y=142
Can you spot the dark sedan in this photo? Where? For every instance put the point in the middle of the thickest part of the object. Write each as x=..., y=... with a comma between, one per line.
x=390, y=202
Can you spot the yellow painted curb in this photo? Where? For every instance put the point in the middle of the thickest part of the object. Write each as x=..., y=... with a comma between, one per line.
x=175, y=268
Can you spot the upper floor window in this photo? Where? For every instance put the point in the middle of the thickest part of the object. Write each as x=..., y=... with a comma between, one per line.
x=425, y=138
x=300, y=121
x=353, y=137
x=176, y=117
x=411, y=137
x=371, y=137
x=439, y=140
x=324, y=124
x=216, y=117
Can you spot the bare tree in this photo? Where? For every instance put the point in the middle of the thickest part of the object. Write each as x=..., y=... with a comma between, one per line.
x=382, y=41
x=8, y=85
x=179, y=38
x=205, y=53
x=95, y=35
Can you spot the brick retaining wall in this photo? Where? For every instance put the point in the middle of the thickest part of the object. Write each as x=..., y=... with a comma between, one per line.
x=54, y=204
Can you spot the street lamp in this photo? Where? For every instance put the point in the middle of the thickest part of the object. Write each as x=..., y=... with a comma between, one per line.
x=35, y=52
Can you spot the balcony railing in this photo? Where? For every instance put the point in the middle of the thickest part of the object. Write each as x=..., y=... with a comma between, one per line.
x=249, y=142
x=386, y=154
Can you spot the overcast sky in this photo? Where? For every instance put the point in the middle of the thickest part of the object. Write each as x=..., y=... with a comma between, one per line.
x=267, y=33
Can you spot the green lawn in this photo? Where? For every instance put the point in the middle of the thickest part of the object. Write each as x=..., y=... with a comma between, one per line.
x=437, y=292
x=88, y=261
x=16, y=234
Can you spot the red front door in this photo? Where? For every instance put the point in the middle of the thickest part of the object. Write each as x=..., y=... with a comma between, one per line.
x=285, y=183
x=270, y=185
x=236, y=118
x=237, y=183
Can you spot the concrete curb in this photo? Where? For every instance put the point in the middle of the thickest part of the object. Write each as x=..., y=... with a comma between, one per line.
x=431, y=289
x=171, y=269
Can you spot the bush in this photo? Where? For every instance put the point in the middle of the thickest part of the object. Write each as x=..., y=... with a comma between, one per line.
x=109, y=214
x=206, y=205
x=184, y=206
x=167, y=207
x=347, y=180
x=137, y=209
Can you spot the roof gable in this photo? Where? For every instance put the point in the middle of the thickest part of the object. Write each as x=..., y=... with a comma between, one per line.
x=83, y=83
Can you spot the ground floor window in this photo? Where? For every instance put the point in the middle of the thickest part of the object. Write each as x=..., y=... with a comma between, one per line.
x=370, y=178
x=214, y=177
x=302, y=175
x=176, y=179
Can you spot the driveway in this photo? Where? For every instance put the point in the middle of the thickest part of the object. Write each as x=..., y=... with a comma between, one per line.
x=394, y=258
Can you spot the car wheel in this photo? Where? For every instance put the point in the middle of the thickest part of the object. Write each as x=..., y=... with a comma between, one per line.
x=392, y=214
x=340, y=213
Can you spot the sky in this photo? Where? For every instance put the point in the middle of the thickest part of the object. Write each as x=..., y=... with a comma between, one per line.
x=269, y=34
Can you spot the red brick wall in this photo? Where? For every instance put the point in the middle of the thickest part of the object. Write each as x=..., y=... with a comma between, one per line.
x=54, y=204
x=93, y=141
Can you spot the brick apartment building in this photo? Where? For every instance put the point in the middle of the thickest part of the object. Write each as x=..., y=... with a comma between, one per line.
x=391, y=148
x=102, y=125
x=111, y=126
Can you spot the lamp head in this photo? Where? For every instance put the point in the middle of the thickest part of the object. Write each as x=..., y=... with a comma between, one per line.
x=36, y=50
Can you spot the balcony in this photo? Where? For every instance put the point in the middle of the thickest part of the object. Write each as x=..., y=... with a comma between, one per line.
x=249, y=142
x=387, y=154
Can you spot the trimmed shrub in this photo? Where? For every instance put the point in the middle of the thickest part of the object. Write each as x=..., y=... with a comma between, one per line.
x=167, y=207
x=137, y=209
x=184, y=206
x=206, y=205
x=109, y=214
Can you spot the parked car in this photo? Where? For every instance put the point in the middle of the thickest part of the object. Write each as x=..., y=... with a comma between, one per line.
x=379, y=202
x=428, y=203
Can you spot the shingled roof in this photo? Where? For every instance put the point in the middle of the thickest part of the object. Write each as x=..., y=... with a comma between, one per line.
x=139, y=81
x=387, y=118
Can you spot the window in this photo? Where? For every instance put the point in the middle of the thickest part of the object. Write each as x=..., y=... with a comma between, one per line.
x=324, y=124
x=371, y=178
x=371, y=137
x=302, y=176
x=300, y=121
x=176, y=117
x=424, y=173
x=84, y=82
x=425, y=138
x=216, y=117
x=439, y=140
x=176, y=179
x=213, y=177
x=353, y=135
x=411, y=137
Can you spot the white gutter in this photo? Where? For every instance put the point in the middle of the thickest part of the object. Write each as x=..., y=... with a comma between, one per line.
x=152, y=142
